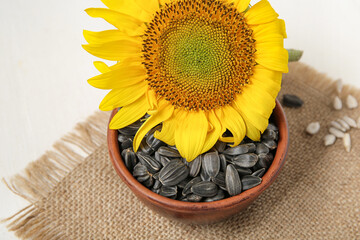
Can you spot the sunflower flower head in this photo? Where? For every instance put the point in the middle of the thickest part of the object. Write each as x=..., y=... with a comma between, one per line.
x=199, y=67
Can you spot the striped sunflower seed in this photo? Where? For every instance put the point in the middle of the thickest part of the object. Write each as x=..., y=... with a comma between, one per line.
x=204, y=176
x=292, y=101
x=168, y=191
x=151, y=164
x=264, y=160
x=220, y=180
x=169, y=152
x=183, y=183
x=250, y=182
x=122, y=138
x=269, y=134
x=246, y=160
x=223, y=162
x=220, y=146
x=140, y=170
x=211, y=164
x=173, y=173
x=187, y=188
x=261, y=148
x=145, y=148
x=205, y=189
x=195, y=166
x=143, y=178
x=241, y=149
x=243, y=171
x=271, y=144
x=272, y=126
x=232, y=180
x=157, y=184
x=164, y=160
x=259, y=173
x=194, y=198
x=149, y=182
x=127, y=144
x=129, y=158
x=220, y=195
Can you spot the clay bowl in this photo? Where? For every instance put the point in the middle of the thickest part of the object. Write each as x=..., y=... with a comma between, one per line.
x=202, y=212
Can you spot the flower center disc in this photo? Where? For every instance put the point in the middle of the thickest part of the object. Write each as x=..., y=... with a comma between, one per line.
x=198, y=53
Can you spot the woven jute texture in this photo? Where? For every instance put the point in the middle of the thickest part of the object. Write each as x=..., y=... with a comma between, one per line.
x=316, y=196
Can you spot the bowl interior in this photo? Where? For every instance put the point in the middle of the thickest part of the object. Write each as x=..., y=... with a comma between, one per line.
x=167, y=203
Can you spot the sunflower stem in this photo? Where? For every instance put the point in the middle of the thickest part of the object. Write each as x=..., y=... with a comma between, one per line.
x=295, y=55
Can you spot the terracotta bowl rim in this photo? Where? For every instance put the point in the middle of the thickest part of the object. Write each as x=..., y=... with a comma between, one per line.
x=251, y=194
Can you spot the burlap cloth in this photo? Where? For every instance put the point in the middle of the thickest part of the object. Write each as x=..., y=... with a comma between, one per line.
x=316, y=196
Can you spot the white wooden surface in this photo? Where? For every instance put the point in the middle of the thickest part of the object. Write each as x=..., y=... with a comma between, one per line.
x=43, y=69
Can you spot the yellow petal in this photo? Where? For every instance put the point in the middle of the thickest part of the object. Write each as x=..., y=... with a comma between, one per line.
x=272, y=57
x=251, y=131
x=152, y=99
x=132, y=26
x=167, y=134
x=256, y=119
x=163, y=2
x=129, y=114
x=107, y=36
x=241, y=5
x=262, y=31
x=212, y=136
x=115, y=51
x=123, y=96
x=101, y=67
x=190, y=134
x=127, y=7
x=260, y=13
x=233, y=121
x=119, y=78
x=150, y=6
x=163, y=113
x=267, y=80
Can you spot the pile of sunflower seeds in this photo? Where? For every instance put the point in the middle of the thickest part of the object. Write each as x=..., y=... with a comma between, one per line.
x=217, y=174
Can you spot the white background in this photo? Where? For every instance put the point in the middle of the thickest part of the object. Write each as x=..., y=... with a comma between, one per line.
x=43, y=69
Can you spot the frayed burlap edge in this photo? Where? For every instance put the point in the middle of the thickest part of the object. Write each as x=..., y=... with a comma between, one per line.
x=41, y=176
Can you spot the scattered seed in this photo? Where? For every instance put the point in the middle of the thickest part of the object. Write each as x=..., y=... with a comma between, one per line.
x=351, y=102
x=246, y=160
x=232, y=180
x=292, y=101
x=339, y=86
x=347, y=142
x=350, y=121
x=337, y=103
x=338, y=126
x=336, y=132
x=259, y=173
x=211, y=164
x=343, y=124
x=220, y=195
x=173, y=173
x=195, y=166
x=329, y=140
x=313, y=128
x=205, y=189
x=250, y=182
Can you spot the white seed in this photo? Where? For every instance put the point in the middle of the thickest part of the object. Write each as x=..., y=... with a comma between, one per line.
x=338, y=126
x=350, y=121
x=329, y=140
x=337, y=103
x=351, y=102
x=344, y=124
x=339, y=86
x=313, y=128
x=347, y=142
x=336, y=132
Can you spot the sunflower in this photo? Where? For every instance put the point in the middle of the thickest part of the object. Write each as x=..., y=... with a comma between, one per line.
x=199, y=67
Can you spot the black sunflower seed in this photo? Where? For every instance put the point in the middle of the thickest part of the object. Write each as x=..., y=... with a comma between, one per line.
x=205, y=189
x=292, y=101
x=173, y=173
x=195, y=166
x=250, y=182
x=211, y=164
x=241, y=149
x=193, y=198
x=232, y=180
x=169, y=152
x=246, y=160
x=220, y=180
x=261, y=148
x=220, y=195
x=259, y=173
x=151, y=164
x=167, y=191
